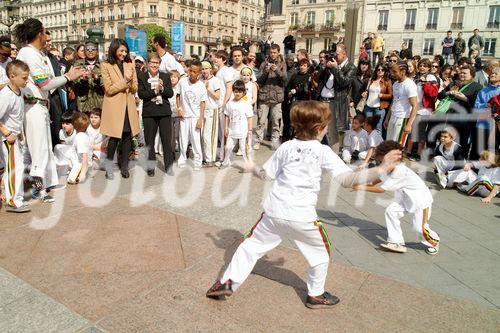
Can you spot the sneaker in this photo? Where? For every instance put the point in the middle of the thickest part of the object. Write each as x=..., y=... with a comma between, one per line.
x=224, y=165
x=197, y=167
x=218, y=163
x=219, y=290
x=181, y=166
x=20, y=209
x=239, y=153
x=322, y=301
x=256, y=146
x=42, y=196
x=432, y=251
x=393, y=247
x=442, y=179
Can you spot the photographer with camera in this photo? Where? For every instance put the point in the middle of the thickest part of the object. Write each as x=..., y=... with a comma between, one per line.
x=334, y=85
x=271, y=81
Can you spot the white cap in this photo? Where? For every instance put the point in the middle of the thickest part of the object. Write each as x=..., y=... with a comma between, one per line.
x=139, y=58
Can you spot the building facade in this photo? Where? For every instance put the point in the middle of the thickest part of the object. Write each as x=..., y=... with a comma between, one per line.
x=423, y=24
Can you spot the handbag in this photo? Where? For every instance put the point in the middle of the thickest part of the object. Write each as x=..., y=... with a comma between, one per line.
x=445, y=103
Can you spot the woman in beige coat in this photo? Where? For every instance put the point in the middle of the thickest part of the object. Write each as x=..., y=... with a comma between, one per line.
x=119, y=114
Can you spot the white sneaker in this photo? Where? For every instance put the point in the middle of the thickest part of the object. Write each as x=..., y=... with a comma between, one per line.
x=443, y=180
x=197, y=167
x=393, y=247
x=239, y=153
x=181, y=166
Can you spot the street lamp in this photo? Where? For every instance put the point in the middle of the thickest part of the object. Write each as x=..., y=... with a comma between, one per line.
x=12, y=7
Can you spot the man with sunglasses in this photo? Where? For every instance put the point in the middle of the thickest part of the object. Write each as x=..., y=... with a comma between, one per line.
x=89, y=88
x=5, y=59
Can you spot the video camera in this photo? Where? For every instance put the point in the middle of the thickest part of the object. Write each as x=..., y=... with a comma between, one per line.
x=331, y=55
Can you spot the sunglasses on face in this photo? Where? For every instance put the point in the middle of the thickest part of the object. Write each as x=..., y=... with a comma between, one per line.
x=380, y=70
x=394, y=61
x=90, y=49
x=435, y=66
x=14, y=49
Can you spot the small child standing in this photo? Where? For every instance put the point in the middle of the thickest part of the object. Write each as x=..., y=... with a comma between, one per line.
x=289, y=208
x=448, y=156
x=355, y=140
x=82, y=149
x=412, y=196
x=485, y=183
x=97, y=139
x=174, y=80
x=191, y=111
x=11, y=128
x=211, y=123
x=238, y=125
x=374, y=139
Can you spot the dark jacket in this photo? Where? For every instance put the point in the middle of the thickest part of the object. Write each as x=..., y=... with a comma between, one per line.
x=299, y=82
x=342, y=80
x=358, y=86
x=458, y=154
x=459, y=46
x=149, y=108
x=406, y=54
x=470, y=92
x=271, y=84
x=289, y=43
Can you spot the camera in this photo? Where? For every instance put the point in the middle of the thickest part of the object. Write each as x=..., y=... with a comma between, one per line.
x=330, y=56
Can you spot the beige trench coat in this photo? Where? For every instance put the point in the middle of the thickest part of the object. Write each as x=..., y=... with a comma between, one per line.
x=118, y=97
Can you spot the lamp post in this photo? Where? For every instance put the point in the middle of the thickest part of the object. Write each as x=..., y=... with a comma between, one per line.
x=12, y=7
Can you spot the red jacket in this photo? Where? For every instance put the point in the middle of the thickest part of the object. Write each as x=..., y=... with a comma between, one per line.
x=430, y=94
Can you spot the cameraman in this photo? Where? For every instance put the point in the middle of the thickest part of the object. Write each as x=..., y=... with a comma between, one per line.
x=334, y=85
x=271, y=80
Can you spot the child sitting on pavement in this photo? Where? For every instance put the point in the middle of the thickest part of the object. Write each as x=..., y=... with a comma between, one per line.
x=355, y=140
x=374, y=139
x=448, y=156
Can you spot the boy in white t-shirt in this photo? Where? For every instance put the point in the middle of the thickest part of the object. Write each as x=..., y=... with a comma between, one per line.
x=211, y=123
x=82, y=150
x=97, y=139
x=289, y=208
x=355, y=140
x=191, y=102
x=404, y=107
x=412, y=196
x=238, y=125
x=63, y=151
x=11, y=130
x=225, y=75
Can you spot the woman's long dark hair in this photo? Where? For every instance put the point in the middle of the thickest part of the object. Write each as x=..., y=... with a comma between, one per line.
x=113, y=47
x=27, y=31
x=368, y=70
x=386, y=72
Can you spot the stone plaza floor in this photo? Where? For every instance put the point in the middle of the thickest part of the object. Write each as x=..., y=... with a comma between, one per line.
x=138, y=255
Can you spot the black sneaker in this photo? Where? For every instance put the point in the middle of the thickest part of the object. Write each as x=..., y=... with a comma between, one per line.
x=322, y=301
x=219, y=290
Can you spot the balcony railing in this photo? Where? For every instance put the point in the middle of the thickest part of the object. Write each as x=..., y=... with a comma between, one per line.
x=111, y=18
x=382, y=27
x=91, y=4
x=92, y=20
x=227, y=39
x=210, y=23
x=111, y=36
x=431, y=26
x=409, y=26
x=121, y=16
x=457, y=25
x=101, y=18
x=135, y=15
x=153, y=14
x=183, y=18
x=73, y=38
x=211, y=8
x=191, y=20
x=192, y=3
x=101, y=2
x=83, y=21
x=82, y=5
x=183, y=2
x=329, y=26
x=199, y=21
x=170, y=16
x=306, y=28
x=210, y=40
x=73, y=7
x=74, y=22
x=495, y=25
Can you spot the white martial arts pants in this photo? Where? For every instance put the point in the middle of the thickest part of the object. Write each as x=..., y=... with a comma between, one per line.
x=39, y=142
x=420, y=224
x=310, y=237
x=245, y=148
x=188, y=133
x=442, y=165
x=222, y=123
x=461, y=176
x=12, y=158
x=210, y=134
x=396, y=130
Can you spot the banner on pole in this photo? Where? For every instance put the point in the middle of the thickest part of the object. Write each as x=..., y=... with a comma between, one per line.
x=178, y=37
x=137, y=41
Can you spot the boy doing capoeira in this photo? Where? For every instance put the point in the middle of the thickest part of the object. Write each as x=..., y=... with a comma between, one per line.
x=11, y=129
x=289, y=209
x=412, y=196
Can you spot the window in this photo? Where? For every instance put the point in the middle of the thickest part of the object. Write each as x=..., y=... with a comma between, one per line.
x=309, y=44
x=311, y=1
x=152, y=9
x=411, y=15
x=489, y=46
x=428, y=46
x=383, y=17
x=310, y=18
x=199, y=51
x=326, y=43
x=432, y=18
x=191, y=50
x=409, y=42
x=457, y=18
x=294, y=18
x=494, y=18
x=295, y=2
x=329, y=17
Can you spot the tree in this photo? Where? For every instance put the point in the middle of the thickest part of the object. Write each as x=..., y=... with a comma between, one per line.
x=153, y=29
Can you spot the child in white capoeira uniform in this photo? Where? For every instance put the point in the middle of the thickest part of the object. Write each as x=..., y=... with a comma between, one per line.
x=64, y=150
x=374, y=139
x=211, y=122
x=448, y=156
x=485, y=183
x=355, y=140
x=97, y=139
x=238, y=125
x=289, y=208
x=11, y=130
x=191, y=102
x=412, y=196
x=82, y=150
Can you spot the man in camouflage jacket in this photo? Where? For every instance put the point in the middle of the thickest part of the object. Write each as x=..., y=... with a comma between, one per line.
x=89, y=88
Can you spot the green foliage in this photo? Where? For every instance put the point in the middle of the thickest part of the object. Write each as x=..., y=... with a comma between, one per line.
x=153, y=29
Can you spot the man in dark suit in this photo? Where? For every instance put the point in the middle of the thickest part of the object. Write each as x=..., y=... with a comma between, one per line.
x=154, y=88
x=334, y=85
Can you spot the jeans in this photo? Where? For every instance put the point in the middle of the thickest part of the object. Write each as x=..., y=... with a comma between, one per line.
x=370, y=112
